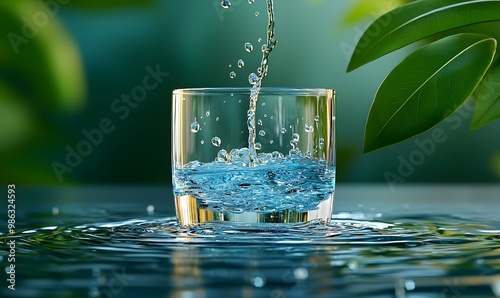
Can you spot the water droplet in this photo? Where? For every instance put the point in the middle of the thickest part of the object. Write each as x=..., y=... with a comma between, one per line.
x=241, y=63
x=259, y=122
x=309, y=129
x=222, y=155
x=321, y=143
x=253, y=78
x=150, y=209
x=353, y=265
x=316, y=118
x=409, y=285
x=226, y=3
x=96, y=272
x=216, y=141
x=259, y=39
x=202, y=142
x=257, y=14
x=301, y=273
x=258, y=281
x=262, y=133
x=232, y=75
x=258, y=146
x=94, y=292
x=283, y=130
x=277, y=154
x=296, y=137
x=248, y=47
x=207, y=113
x=195, y=126
x=251, y=1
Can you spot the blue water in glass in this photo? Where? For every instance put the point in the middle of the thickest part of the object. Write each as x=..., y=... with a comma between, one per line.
x=295, y=183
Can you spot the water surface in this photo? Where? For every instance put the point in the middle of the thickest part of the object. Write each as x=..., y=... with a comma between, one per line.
x=123, y=242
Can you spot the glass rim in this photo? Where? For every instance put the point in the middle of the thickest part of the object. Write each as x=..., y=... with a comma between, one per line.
x=246, y=91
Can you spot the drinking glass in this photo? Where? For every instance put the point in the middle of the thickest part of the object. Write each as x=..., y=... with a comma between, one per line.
x=286, y=174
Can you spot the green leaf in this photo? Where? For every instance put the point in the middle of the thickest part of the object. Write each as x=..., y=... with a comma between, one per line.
x=426, y=87
x=487, y=97
x=417, y=20
x=39, y=58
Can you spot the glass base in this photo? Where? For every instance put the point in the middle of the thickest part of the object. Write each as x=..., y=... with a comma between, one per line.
x=190, y=213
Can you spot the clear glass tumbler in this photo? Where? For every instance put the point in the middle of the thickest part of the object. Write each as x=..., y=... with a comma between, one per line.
x=286, y=175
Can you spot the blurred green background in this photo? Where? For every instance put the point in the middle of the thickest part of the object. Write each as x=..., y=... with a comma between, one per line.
x=68, y=67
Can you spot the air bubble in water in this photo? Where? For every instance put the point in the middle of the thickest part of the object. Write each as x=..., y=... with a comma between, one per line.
x=207, y=113
x=248, y=47
x=262, y=133
x=226, y=3
x=316, y=118
x=271, y=142
x=253, y=78
x=257, y=14
x=309, y=129
x=321, y=143
x=195, y=126
x=216, y=141
x=259, y=122
x=202, y=142
x=258, y=146
x=241, y=63
x=264, y=48
x=232, y=75
x=222, y=155
x=296, y=137
x=251, y=1
x=259, y=40
x=283, y=130
x=216, y=118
